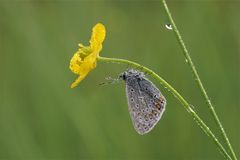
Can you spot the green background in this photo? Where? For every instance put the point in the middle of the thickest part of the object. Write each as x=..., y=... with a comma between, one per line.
x=42, y=118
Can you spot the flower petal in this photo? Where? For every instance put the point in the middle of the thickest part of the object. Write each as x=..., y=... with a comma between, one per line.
x=78, y=80
x=75, y=63
x=87, y=65
x=98, y=36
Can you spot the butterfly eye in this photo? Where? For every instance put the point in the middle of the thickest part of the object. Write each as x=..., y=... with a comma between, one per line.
x=122, y=76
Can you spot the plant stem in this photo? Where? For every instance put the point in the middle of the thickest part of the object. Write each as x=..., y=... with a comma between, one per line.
x=194, y=115
x=198, y=81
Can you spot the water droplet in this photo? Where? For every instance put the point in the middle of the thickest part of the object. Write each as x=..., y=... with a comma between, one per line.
x=168, y=26
x=186, y=60
x=193, y=108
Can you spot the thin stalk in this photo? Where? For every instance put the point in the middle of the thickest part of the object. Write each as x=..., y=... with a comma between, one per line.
x=186, y=105
x=198, y=81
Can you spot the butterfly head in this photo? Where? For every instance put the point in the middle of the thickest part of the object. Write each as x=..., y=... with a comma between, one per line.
x=123, y=76
x=131, y=73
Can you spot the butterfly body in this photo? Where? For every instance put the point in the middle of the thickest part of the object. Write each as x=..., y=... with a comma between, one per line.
x=146, y=104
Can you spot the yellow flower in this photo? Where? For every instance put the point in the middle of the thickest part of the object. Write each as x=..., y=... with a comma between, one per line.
x=84, y=60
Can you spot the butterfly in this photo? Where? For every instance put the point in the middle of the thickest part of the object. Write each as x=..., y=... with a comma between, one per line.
x=146, y=104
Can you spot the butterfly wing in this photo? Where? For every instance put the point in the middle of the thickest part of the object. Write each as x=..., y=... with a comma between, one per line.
x=145, y=103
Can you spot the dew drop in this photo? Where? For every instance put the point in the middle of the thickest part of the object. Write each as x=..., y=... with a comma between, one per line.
x=186, y=60
x=192, y=106
x=168, y=26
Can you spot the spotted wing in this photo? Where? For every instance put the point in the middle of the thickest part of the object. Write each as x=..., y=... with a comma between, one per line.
x=145, y=104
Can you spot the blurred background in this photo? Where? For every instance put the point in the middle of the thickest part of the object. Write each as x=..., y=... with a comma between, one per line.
x=42, y=118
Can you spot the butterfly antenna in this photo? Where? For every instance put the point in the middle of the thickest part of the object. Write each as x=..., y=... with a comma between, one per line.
x=110, y=80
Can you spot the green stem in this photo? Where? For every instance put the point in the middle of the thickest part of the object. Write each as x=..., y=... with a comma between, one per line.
x=194, y=115
x=198, y=81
